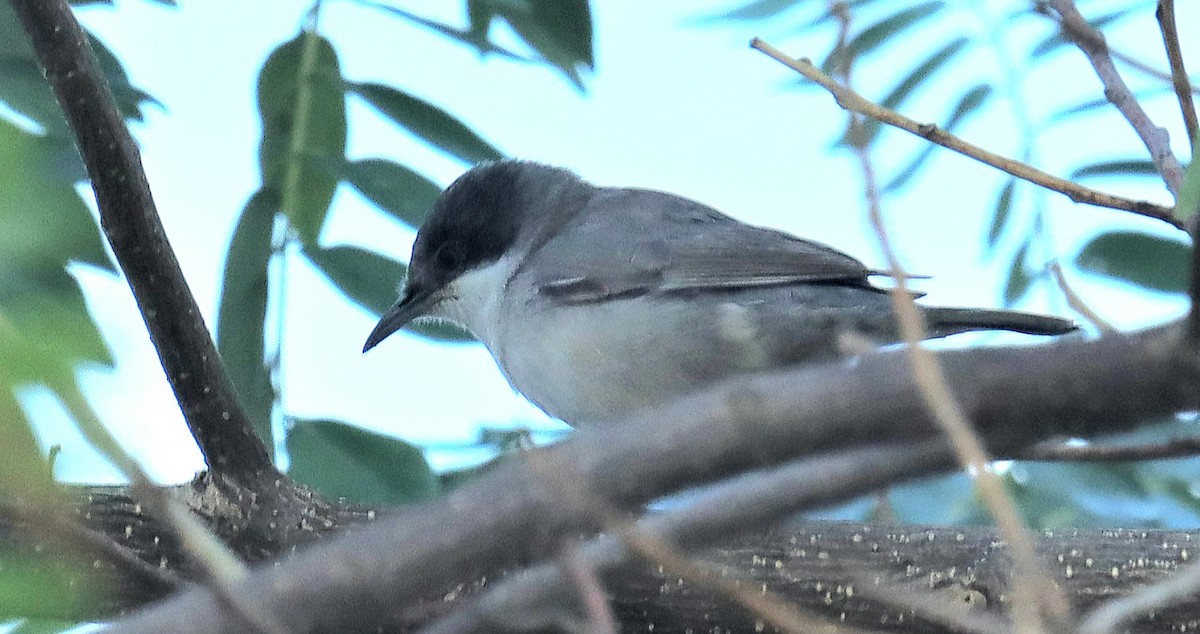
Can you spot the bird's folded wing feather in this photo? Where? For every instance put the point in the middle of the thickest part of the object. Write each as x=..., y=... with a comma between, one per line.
x=668, y=244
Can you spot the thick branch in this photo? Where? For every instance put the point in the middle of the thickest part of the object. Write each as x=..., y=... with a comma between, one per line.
x=1016, y=396
x=131, y=223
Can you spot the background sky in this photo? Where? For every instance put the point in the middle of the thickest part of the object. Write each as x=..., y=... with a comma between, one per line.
x=676, y=103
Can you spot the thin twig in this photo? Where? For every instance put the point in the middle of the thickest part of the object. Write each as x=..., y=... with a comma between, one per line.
x=586, y=580
x=1094, y=46
x=855, y=102
x=1059, y=451
x=762, y=603
x=1032, y=585
x=1076, y=302
x=1179, y=77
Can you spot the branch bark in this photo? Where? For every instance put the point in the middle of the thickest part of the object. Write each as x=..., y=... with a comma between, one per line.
x=1077, y=388
x=130, y=222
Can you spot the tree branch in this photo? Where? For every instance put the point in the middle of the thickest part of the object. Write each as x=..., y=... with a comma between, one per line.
x=1179, y=77
x=1093, y=44
x=132, y=226
x=855, y=102
x=1016, y=396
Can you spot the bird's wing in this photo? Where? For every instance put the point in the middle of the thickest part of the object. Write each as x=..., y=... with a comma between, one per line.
x=668, y=244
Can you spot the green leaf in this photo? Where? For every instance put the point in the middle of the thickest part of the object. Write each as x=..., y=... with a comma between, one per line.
x=559, y=30
x=1000, y=215
x=43, y=221
x=302, y=103
x=1019, y=279
x=26, y=472
x=342, y=460
x=1092, y=105
x=877, y=34
x=428, y=122
x=241, y=318
x=1133, y=167
x=970, y=102
x=757, y=10
x=404, y=194
x=1149, y=261
x=1188, y=204
x=370, y=280
x=471, y=37
x=35, y=583
x=918, y=76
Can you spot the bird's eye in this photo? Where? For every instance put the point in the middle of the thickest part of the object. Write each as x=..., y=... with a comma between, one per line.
x=449, y=256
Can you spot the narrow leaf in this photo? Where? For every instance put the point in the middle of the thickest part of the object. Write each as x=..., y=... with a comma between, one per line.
x=370, y=280
x=402, y=193
x=1001, y=213
x=559, y=30
x=1149, y=261
x=1132, y=167
x=972, y=101
x=428, y=122
x=877, y=34
x=1058, y=39
x=243, y=310
x=1019, y=278
x=918, y=76
x=302, y=104
x=342, y=460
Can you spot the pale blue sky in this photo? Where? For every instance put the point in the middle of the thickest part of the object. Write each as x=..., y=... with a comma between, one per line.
x=673, y=105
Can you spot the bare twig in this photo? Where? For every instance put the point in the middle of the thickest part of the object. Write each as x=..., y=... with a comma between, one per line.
x=591, y=592
x=1147, y=69
x=855, y=102
x=1179, y=78
x=763, y=604
x=1093, y=44
x=748, y=502
x=1076, y=302
x=1032, y=585
x=1056, y=450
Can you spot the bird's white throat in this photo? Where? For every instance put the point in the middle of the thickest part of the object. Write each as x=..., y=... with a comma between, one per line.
x=473, y=299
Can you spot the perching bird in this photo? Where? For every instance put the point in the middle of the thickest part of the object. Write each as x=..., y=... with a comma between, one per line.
x=595, y=301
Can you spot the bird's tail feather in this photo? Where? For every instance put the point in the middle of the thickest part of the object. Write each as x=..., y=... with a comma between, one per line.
x=948, y=321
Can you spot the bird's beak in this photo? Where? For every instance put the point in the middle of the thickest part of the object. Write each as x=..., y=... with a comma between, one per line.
x=412, y=304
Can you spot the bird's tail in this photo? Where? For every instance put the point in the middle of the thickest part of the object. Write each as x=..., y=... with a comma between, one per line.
x=949, y=321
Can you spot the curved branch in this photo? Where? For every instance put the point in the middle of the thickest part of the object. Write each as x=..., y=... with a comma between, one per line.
x=1017, y=396
x=132, y=226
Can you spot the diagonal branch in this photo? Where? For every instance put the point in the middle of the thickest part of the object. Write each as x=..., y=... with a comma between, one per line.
x=132, y=226
x=855, y=102
x=1091, y=41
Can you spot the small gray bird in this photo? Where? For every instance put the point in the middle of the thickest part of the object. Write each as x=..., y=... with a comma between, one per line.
x=596, y=301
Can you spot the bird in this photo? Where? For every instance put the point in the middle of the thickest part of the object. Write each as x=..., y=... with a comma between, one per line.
x=596, y=302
